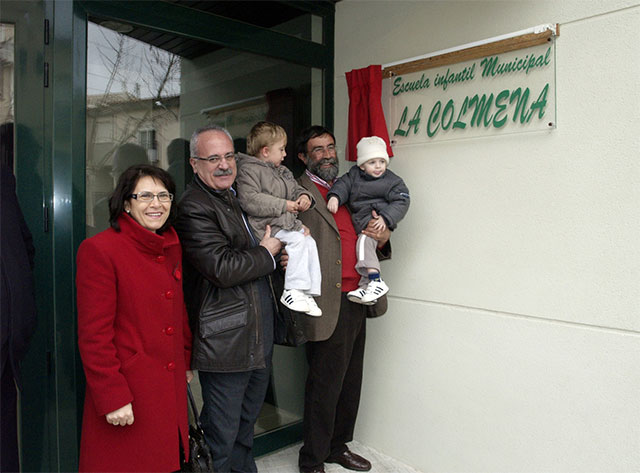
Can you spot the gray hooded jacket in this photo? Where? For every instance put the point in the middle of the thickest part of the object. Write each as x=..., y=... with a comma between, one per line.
x=263, y=191
x=387, y=195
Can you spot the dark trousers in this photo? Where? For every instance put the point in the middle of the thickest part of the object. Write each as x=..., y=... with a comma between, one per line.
x=332, y=391
x=9, y=439
x=232, y=403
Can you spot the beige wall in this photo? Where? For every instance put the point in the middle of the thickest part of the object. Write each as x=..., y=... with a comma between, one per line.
x=512, y=342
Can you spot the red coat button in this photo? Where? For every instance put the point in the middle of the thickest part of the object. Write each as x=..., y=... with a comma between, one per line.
x=170, y=330
x=168, y=294
x=160, y=259
x=177, y=274
x=171, y=366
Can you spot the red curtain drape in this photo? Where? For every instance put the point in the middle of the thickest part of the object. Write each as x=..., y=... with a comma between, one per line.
x=366, y=117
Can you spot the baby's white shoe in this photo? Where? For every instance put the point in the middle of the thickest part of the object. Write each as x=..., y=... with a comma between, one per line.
x=375, y=290
x=295, y=300
x=357, y=295
x=314, y=310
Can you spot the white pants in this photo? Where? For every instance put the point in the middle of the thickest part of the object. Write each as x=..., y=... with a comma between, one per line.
x=303, y=268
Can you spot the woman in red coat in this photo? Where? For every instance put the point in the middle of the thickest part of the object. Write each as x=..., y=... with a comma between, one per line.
x=133, y=332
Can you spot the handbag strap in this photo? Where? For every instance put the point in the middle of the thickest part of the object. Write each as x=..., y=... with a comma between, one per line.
x=194, y=409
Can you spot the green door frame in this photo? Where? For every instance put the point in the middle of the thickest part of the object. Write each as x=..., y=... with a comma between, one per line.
x=48, y=419
x=52, y=191
x=49, y=89
x=48, y=403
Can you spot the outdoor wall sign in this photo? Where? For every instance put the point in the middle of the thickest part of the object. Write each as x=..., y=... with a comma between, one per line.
x=501, y=92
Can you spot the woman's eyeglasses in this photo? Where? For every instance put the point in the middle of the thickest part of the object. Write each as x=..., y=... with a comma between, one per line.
x=149, y=196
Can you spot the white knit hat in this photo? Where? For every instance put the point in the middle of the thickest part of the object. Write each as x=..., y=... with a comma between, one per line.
x=371, y=147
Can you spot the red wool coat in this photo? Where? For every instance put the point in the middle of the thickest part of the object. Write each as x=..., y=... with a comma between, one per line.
x=135, y=344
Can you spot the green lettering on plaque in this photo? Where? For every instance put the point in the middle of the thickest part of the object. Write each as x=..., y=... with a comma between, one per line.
x=463, y=110
x=415, y=121
x=521, y=104
x=433, y=118
x=448, y=110
x=483, y=105
x=399, y=131
x=499, y=122
x=541, y=102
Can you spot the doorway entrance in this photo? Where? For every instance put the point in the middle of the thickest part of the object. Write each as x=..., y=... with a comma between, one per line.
x=143, y=103
x=108, y=82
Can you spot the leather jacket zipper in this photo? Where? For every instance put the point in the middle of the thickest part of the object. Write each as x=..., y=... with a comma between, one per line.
x=273, y=293
x=251, y=240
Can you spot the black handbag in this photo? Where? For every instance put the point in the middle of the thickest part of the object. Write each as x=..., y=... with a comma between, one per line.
x=199, y=454
x=288, y=329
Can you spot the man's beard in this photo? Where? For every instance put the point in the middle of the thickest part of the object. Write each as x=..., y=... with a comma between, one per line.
x=326, y=174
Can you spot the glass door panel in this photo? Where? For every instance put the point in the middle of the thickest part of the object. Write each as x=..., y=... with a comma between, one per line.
x=133, y=107
x=7, y=53
x=144, y=102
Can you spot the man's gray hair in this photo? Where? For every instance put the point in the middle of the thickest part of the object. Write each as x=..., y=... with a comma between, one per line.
x=193, y=144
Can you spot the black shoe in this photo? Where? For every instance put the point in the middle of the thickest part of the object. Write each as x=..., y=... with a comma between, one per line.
x=351, y=461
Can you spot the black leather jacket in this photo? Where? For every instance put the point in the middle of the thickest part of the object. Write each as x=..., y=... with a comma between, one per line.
x=221, y=267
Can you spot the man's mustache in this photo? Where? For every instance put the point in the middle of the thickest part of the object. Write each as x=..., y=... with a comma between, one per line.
x=223, y=172
x=333, y=161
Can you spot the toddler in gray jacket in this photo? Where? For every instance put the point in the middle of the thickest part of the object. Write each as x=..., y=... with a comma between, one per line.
x=270, y=195
x=370, y=186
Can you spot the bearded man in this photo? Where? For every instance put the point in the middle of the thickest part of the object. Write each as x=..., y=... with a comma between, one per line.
x=335, y=350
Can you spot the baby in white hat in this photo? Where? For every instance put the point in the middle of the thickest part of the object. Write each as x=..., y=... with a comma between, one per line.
x=371, y=192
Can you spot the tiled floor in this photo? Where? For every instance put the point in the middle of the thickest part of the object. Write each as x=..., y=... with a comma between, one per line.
x=286, y=461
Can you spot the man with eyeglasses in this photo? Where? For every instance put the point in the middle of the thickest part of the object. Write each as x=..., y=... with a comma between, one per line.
x=230, y=304
x=335, y=350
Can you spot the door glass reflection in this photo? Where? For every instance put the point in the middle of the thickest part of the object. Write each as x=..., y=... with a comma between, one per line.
x=7, y=35
x=146, y=96
x=133, y=111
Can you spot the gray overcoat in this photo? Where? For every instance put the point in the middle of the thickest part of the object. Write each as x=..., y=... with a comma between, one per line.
x=263, y=190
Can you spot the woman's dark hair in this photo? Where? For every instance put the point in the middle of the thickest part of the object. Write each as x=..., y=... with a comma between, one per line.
x=309, y=134
x=127, y=184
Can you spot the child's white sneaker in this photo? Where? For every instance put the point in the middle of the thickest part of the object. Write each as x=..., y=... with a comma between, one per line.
x=357, y=295
x=295, y=300
x=375, y=290
x=314, y=310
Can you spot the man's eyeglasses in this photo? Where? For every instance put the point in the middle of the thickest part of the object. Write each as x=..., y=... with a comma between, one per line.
x=321, y=150
x=216, y=159
x=149, y=196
